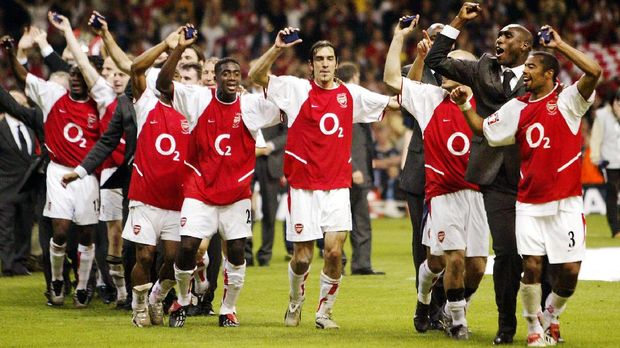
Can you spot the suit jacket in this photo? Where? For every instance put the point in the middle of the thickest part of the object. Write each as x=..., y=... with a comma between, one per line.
x=13, y=163
x=362, y=151
x=275, y=161
x=412, y=177
x=487, y=165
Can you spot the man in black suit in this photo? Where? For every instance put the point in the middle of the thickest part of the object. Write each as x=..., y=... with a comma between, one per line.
x=17, y=153
x=494, y=79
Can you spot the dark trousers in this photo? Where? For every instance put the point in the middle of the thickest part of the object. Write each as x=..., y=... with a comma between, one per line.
x=16, y=220
x=415, y=204
x=361, y=234
x=269, y=189
x=500, y=208
x=101, y=253
x=611, y=199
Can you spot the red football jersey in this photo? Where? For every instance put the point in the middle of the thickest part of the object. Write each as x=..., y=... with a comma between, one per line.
x=447, y=137
x=222, y=150
x=320, y=121
x=104, y=95
x=549, y=136
x=161, y=148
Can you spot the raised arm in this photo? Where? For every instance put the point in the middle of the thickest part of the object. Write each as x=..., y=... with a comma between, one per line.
x=164, y=80
x=475, y=121
x=391, y=73
x=592, y=71
x=88, y=71
x=52, y=59
x=417, y=69
x=259, y=71
x=118, y=55
x=19, y=71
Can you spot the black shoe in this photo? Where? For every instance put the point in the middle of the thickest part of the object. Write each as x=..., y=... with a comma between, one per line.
x=264, y=263
x=178, y=314
x=81, y=298
x=502, y=338
x=421, y=320
x=249, y=262
x=229, y=320
x=458, y=332
x=207, y=308
x=366, y=271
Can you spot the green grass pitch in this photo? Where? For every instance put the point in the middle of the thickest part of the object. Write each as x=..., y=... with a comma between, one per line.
x=371, y=310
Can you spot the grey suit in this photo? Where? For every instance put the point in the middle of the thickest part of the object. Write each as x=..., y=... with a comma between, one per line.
x=495, y=169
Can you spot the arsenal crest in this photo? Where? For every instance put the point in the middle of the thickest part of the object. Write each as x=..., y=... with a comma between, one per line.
x=183, y=221
x=136, y=229
x=440, y=236
x=236, y=120
x=299, y=228
x=493, y=119
x=92, y=118
x=552, y=107
x=342, y=99
x=185, y=127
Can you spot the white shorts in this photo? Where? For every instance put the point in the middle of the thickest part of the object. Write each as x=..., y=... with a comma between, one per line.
x=111, y=199
x=458, y=221
x=147, y=224
x=314, y=212
x=200, y=220
x=78, y=202
x=561, y=237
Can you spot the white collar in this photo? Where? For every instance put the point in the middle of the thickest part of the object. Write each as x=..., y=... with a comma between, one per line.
x=517, y=70
x=13, y=122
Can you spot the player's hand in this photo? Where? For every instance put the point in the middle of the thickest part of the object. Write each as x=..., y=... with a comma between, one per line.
x=173, y=38
x=69, y=178
x=39, y=36
x=188, y=35
x=101, y=19
x=408, y=29
x=282, y=33
x=555, y=41
x=459, y=95
x=26, y=42
x=424, y=46
x=469, y=11
x=358, y=177
x=7, y=42
x=59, y=21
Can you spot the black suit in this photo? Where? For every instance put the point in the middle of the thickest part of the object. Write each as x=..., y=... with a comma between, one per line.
x=496, y=169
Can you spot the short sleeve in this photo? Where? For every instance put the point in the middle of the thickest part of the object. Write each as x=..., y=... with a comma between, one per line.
x=258, y=112
x=573, y=106
x=191, y=101
x=44, y=93
x=367, y=106
x=103, y=94
x=500, y=128
x=151, y=80
x=143, y=107
x=421, y=100
x=288, y=93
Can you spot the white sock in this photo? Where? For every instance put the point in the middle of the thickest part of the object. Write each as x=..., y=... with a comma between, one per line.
x=554, y=306
x=138, y=300
x=328, y=293
x=530, y=296
x=183, y=278
x=426, y=282
x=201, y=284
x=57, y=259
x=297, y=283
x=86, y=256
x=117, y=272
x=234, y=277
x=161, y=290
x=457, y=312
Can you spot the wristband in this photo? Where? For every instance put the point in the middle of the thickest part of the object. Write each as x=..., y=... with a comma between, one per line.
x=465, y=106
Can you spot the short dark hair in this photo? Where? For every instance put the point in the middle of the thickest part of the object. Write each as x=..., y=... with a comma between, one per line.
x=199, y=54
x=223, y=61
x=346, y=71
x=97, y=62
x=320, y=44
x=549, y=62
x=195, y=66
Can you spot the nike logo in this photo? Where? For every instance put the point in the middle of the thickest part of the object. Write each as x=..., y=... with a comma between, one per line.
x=210, y=121
x=314, y=106
x=153, y=122
x=445, y=120
x=63, y=111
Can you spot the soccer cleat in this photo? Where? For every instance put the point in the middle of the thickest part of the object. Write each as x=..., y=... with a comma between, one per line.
x=156, y=312
x=325, y=322
x=535, y=340
x=229, y=320
x=458, y=332
x=140, y=317
x=81, y=298
x=292, y=317
x=178, y=315
x=552, y=334
x=421, y=319
x=57, y=293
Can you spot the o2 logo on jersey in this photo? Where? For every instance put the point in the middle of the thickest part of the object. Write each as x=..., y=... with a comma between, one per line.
x=92, y=119
x=74, y=134
x=236, y=120
x=535, y=139
x=341, y=98
x=465, y=147
x=167, y=146
x=335, y=125
x=218, y=145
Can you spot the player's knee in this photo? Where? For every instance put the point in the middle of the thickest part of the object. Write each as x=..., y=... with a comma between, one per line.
x=436, y=263
x=332, y=256
x=456, y=261
x=236, y=251
x=564, y=292
x=144, y=257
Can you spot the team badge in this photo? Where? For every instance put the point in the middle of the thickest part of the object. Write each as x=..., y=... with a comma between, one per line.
x=136, y=229
x=493, y=119
x=440, y=236
x=236, y=120
x=185, y=126
x=92, y=118
x=183, y=221
x=299, y=228
x=342, y=99
x=552, y=107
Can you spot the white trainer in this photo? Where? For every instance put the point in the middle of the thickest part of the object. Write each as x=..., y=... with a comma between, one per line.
x=156, y=312
x=292, y=317
x=325, y=322
x=141, y=317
